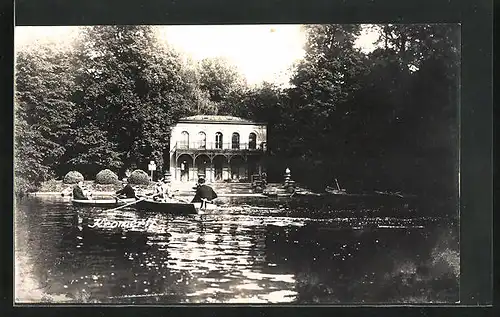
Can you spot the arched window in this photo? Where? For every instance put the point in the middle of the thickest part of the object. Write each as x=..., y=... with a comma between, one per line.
x=252, y=141
x=202, y=139
x=235, y=141
x=184, y=143
x=218, y=140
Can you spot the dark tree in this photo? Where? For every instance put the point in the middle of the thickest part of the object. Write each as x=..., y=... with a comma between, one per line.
x=43, y=112
x=133, y=90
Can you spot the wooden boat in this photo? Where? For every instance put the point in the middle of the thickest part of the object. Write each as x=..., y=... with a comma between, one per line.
x=334, y=191
x=109, y=202
x=175, y=208
x=308, y=193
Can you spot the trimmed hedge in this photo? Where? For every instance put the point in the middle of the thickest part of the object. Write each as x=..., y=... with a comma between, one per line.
x=106, y=177
x=139, y=177
x=73, y=177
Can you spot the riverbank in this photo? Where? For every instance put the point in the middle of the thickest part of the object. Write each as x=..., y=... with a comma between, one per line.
x=107, y=194
x=58, y=188
x=223, y=190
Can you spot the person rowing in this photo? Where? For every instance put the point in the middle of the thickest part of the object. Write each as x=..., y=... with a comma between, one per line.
x=78, y=192
x=126, y=192
x=204, y=193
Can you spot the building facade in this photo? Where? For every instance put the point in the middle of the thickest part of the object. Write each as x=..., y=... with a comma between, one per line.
x=220, y=148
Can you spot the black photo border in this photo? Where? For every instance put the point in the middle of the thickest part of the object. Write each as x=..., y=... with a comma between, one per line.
x=476, y=124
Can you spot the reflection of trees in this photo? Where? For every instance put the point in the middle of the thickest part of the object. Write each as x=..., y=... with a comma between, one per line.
x=110, y=263
x=332, y=205
x=40, y=232
x=339, y=206
x=346, y=265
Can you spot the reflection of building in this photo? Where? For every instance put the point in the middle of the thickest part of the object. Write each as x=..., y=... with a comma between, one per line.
x=218, y=147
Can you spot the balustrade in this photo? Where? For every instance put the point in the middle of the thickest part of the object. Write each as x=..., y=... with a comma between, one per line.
x=217, y=146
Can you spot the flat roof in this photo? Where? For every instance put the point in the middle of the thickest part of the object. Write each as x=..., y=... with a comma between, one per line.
x=218, y=119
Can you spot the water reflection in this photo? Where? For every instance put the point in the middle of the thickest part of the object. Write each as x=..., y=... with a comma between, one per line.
x=241, y=254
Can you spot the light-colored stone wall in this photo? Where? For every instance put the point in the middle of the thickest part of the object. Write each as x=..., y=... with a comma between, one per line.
x=210, y=130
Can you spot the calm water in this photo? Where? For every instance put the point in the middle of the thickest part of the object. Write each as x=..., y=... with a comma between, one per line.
x=247, y=252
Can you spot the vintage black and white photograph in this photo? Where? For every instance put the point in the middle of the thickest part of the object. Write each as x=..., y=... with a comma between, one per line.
x=248, y=164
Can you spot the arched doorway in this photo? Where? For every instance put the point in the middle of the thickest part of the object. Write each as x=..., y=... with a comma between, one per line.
x=219, y=162
x=202, y=140
x=184, y=164
x=252, y=141
x=202, y=166
x=184, y=141
x=253, y=166
x=218, y=140
x=237, y=168
x=235, y=141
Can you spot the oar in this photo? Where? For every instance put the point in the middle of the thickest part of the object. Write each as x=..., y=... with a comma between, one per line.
x=337, y=184
x=116, y=198
x=204, y=202
x=188, y=202
x=123, y=199
x=134, y=202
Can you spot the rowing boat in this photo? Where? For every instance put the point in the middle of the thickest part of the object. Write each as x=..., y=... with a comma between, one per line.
x=175, y=208
x=110, y=202
x=335, y=191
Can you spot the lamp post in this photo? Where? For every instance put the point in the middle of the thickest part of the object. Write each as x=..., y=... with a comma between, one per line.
x=289, y=183
x=288, y=175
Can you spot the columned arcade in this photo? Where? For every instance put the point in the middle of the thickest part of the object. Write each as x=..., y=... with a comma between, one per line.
x=220, y=148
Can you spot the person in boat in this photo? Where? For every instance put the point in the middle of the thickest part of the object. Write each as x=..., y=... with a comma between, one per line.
x=162, y=191
x=158, y=190
x=204, y=193
x=78, y=192
x=126, y=192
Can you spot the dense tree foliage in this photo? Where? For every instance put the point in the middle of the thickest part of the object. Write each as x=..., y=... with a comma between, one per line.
x=324, y=83
x=380, y=120
x=222, y=83
x=134, y=92
x=383, y=120
x=43, y=113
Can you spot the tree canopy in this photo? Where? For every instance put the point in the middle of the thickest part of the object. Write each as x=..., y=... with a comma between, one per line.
x=386, y=119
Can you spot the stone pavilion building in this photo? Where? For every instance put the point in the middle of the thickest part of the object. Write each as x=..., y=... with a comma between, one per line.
x=220, y=148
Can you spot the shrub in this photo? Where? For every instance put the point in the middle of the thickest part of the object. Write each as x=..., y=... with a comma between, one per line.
x=52, y=185
x=73, y=177
x=23, y=186
x=106, y=177
x=139, y=177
